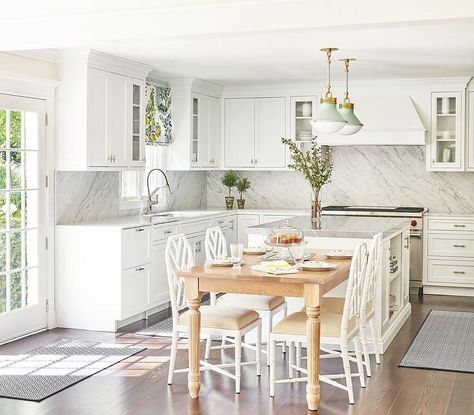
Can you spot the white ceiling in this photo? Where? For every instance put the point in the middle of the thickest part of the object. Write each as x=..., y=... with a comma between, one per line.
x=237, y=41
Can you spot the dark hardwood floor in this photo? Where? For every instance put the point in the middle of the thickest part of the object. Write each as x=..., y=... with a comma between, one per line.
x=137, y=385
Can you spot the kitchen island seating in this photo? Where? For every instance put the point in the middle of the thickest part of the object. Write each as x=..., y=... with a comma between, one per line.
x=336, y=329
x=266, y=306
x=232, y=322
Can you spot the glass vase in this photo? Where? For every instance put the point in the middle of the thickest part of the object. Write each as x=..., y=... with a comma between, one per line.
x=316, y=205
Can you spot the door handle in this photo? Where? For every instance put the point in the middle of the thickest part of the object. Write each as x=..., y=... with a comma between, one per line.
x=407, y=241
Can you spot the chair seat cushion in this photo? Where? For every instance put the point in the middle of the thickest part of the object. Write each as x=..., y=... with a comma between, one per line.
x=295, y=324
x=250, y=301
x=336, y=305
x=225, y=318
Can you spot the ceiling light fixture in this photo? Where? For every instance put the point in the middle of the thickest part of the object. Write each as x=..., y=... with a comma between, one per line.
x=328, y=120
x=347, y=107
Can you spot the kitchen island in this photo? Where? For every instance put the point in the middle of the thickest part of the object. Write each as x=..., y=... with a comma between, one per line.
x=345, y=232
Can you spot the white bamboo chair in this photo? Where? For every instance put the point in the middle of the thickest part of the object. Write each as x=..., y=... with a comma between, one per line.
x=367, y=307
x=266, y=306
x=336, y=329
x=231, y=322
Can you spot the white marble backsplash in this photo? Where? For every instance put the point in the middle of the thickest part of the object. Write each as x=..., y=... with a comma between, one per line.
x=363, y=175
x=188, y=190
x=86, y=196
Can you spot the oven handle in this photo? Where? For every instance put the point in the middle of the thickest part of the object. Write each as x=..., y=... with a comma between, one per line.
x=416, y=235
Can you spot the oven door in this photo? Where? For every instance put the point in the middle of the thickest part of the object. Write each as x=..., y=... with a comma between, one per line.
x=416, y=258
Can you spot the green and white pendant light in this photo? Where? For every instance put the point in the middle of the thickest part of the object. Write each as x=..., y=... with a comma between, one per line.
x=329, y=119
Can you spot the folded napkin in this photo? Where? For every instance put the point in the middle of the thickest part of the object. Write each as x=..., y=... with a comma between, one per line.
x=275, y=267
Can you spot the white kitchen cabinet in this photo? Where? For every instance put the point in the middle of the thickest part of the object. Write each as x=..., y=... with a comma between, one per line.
x=239, y=133
x=302, y=112
x=253, y=129
x=448, y=255
x=135, y=292
x=100, y=113
x=195, y=107
x=243, y=223
x=267, y=218
x=446, y=149
x=198, y=247
x=470, y=131
x=159, y=290
x=232, y=230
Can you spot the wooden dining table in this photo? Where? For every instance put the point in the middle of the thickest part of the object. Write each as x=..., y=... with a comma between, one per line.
x=311, y=285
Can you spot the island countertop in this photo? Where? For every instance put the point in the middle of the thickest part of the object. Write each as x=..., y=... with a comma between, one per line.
x=340, y=226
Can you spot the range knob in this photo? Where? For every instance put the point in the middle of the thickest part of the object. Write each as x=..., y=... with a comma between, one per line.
x=413, y=222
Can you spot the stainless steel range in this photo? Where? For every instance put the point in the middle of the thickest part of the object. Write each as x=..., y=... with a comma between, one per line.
x=413, y=214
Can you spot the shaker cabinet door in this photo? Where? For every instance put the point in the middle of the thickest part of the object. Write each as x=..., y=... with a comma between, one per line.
x=239, y=132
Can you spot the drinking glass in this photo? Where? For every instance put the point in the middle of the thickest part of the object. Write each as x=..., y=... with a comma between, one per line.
x=297, y=253
x=236, y=252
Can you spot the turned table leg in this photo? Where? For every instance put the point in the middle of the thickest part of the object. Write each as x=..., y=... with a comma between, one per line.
x=312, y=301
x=193, y=297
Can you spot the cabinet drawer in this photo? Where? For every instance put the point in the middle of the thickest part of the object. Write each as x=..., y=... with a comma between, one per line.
x=134, y=296
x=221, y=222
x=274, y=218
x=163, y=232
x=450, y=272
x=194, y=227
x=136, y=246
x=451, y=225
x=450, y=245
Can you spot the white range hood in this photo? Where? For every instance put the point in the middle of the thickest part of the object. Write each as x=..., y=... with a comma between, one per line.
x=389, y=120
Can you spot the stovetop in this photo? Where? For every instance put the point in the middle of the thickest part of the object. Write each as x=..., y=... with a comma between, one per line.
x=406, y=211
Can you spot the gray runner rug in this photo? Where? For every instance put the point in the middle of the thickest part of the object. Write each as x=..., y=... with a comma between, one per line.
x=49, y=369
x=445, y=342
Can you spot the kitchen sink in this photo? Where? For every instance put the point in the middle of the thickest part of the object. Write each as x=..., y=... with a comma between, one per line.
x=173, y=216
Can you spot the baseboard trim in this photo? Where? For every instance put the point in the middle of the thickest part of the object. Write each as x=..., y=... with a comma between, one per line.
x=456, y=291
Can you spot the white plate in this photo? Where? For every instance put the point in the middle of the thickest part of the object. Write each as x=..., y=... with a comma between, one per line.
x=254, y=251
x=317, y=266
x=339, y=253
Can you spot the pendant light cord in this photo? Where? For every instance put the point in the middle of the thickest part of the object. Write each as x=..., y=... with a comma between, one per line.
x=328, y=90
x=346, y=97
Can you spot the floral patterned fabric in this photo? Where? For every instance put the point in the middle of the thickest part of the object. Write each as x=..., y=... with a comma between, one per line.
x=158, y=123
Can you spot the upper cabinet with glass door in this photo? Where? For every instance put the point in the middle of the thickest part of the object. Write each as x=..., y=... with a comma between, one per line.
x=446, y=149
x=303, y=111
x=100, y=112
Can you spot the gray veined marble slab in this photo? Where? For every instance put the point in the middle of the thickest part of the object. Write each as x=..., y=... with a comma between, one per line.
x=340, y=226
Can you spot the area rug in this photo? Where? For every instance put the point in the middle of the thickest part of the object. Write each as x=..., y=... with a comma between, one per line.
x=49, y=369
x=445, y=342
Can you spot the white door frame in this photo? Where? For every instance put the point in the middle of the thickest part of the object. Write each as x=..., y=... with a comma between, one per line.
x=42, y=89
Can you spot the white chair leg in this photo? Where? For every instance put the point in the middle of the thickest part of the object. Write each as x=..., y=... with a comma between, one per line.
x=208, y=347
x=269, y=331
x=347, y=372
x=285, y=314
x=258, y=347
x=272, y=366
x=291, y=360
x=238, y=362
x=174, y=351
x=376, y=340
x=360, y=364
x=365, y=349
x=298, y=356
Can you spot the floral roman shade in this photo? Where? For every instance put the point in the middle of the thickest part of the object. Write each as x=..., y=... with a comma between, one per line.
x=158, y=123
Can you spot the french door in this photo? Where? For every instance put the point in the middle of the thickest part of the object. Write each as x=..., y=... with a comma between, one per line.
x=23, y=216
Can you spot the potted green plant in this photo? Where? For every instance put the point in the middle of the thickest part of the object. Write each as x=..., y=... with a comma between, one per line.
x=243, y=184
x=316, y=167
x=229, y=180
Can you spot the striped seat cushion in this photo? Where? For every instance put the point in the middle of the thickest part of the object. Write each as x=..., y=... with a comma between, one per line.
x=295, y=324
x=225, y=318
x=250, y=301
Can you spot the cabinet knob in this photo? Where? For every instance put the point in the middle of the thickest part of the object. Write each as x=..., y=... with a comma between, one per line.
x=212, y=161
x=167, y=232
x=139, y=269
x=139, y=229
x=255, y=161
x=251, y=161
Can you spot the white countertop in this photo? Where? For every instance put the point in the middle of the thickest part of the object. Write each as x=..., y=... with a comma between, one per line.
x=341, y=226
x=160, y=218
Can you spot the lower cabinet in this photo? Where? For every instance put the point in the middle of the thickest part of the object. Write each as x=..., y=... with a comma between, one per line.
x=246, y=221
x=449, y=255
x=134, y=293
x=159, y=291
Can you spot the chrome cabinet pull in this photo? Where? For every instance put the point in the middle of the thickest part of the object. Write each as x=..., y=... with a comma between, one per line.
x=458, y=272
x=139, y=229
x=459, y=246
x=167, y=232
x=139, y=269
x=459, y=226
x=407, y=239
x=212, y=161
x=220, y=222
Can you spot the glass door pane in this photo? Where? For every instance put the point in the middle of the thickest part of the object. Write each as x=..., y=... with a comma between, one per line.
x=136, y=123
x=21, y=290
